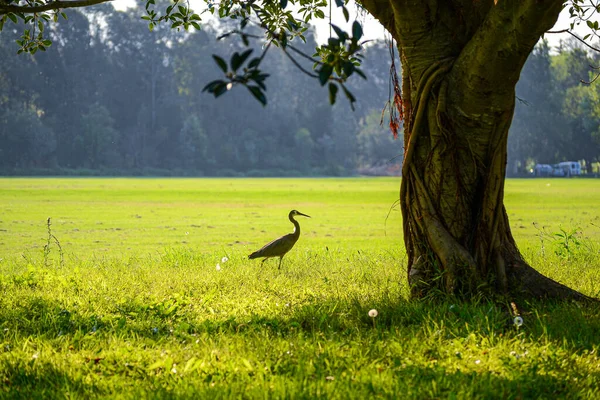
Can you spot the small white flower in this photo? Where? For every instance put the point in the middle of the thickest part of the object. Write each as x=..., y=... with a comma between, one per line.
x=155, y=330
x=187, y=233
x=174, y=370
x=218, y=267
x=329, y=378
x=518, y=321
x=36, y=355
x=229, y=86
x=224, y=259
x=477, y=361
x=373, y=313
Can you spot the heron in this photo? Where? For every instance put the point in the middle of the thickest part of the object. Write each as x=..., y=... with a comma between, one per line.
x=279, y=247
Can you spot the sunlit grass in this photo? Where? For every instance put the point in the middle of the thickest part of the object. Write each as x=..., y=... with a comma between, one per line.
x=143, y=311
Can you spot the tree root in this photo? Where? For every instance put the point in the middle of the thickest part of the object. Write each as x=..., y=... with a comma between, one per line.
x=526, y=282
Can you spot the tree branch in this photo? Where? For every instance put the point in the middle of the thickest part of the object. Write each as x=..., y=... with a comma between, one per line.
x=382, y=11
x=51, y=5
x=576, y=37
x=497, y=52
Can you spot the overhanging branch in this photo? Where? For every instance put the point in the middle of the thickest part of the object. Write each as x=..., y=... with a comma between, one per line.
x=576, y=37
x=51, y=5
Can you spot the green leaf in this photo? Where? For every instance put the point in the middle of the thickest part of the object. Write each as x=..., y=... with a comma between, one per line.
x=333, y=89
x=333, y=42
x=283, y=39
x=220, y=89
x=357, y=31
x=348, y=68
x=258, y=94
x=325, y=73
x=346, y=14
x=220, y=62
x=238, y=59
x=283, y=4
x=350, y=96
x=210, y=87
x=12, y=17
x=245, y=56
x=340, y=33
x=254, y=62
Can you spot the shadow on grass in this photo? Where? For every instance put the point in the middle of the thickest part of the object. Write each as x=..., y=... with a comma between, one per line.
x=47, y=382
x=565, y=323
x=28, y=380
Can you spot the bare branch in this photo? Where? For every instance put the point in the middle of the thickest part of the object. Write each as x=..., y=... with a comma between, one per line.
x=52, y=5
x=297, y=64
x=578, y=38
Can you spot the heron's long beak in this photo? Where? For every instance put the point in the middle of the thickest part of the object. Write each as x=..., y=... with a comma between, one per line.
x=299, y=213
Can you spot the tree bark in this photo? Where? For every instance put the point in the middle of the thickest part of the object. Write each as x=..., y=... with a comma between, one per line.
x=461, y=61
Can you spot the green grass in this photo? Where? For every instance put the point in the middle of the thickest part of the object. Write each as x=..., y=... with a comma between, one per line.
x=137, y=308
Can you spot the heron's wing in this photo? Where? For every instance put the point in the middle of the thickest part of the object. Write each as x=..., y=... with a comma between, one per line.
x=277, y=247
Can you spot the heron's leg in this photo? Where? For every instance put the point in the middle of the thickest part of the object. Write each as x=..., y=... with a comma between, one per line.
x=280, y=259
x=264, y=259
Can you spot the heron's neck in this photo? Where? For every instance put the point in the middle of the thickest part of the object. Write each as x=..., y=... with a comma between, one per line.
x=296, y=226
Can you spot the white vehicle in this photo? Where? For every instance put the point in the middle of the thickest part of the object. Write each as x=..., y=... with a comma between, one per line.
x=570, y=168
x=543, y=170
x=557, y=170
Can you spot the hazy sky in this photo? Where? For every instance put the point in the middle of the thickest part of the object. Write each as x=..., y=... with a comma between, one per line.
x=372, y=28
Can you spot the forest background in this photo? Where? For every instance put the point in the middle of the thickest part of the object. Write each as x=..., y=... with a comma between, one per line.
x=111, y=98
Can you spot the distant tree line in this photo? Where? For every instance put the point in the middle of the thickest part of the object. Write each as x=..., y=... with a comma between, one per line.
x=110, y=97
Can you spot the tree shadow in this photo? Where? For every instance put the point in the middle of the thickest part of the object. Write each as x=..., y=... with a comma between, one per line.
x=32, y=380
x=336, y=318
x=565, y=323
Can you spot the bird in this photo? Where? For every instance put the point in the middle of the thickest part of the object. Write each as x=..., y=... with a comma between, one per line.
x=279, y=247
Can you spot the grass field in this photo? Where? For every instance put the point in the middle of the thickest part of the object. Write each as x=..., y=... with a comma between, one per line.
x=133, y=304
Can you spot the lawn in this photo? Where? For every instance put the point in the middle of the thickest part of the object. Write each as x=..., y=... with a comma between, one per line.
x=151, y=294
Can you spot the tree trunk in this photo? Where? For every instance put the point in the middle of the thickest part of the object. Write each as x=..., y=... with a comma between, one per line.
x=461, y=61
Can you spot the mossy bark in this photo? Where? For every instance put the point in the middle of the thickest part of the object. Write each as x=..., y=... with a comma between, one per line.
x=461, y=61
